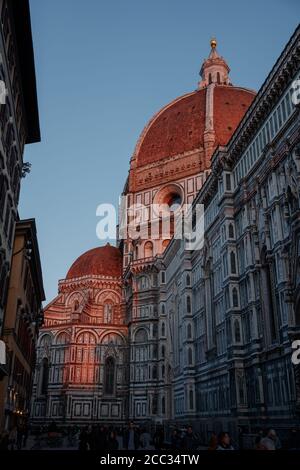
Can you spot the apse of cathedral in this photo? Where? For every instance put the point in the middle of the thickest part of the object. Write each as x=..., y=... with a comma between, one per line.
x=151, y=332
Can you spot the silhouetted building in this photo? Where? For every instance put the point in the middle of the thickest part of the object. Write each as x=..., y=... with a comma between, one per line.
x=23, y=318
x=19, y=125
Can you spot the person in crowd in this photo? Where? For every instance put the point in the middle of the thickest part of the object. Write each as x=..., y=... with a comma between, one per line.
x=52, y=427
x=92, y=437
x=258, y=438
x=4, y=442
x=101, y=439
x=83, y=440
x=158, y=438
x=20, y=433
x=131, y=438
x=145, y=439
x=294, y=441
x=25, y=435
x=176, y=441
x=70, y=436
x=270, y=441
x=190, y=440
x=224, y=442
x=241, y=438
x=213, y=442
x=112, y=442
x=13, y=438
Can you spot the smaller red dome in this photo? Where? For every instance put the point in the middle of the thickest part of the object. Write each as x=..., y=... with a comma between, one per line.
x=102, y=261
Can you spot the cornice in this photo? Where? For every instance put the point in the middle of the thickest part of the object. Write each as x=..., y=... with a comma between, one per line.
x=87, y=282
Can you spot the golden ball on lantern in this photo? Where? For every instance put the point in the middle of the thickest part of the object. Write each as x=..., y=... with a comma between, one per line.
x=213, y=43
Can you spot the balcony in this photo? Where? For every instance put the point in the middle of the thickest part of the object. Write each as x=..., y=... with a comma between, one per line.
x=142, y=263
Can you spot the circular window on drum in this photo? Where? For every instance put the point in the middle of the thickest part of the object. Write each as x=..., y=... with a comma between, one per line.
x=168, y=199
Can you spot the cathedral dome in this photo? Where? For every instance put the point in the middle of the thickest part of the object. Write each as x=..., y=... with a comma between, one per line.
x=101, y=261
x=179, y=127
x=204, y=118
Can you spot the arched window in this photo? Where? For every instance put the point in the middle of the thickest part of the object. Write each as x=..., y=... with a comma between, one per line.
x=109, y=376
x=45, y=376
x=163, y=352
x=108, y=313
x=76, y=305
x=163, y=329
x=163, y=309
x=141, y=336
x=218, y=77
x=190, y=356
x=237, y=331
x=136, y=252
x=188, y=304
x=209, y=78
x=163, y=405
x=188, y=280
x=154, y=373
x=148, y=250
x=232, y=263
x=155, y=330
x=189, y=331
x=163, y=371
x=235, y=299
x=230, y=231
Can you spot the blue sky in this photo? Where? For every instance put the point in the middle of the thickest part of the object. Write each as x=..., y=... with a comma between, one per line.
x=103, y=69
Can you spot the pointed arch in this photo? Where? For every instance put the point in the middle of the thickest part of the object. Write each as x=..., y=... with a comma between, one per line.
x=62, y=337
x=141, y=335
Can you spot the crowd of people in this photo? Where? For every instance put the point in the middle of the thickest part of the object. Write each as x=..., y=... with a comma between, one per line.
x=100, y=438
x=15, y=439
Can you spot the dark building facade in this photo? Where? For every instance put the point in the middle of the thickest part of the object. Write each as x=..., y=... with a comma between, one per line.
x=23, y=316
x=19, y=124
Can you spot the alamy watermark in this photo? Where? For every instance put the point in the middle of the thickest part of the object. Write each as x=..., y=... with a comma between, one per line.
x=296, y=353
x=3, y=92
x=296, y=92
x=154, y=222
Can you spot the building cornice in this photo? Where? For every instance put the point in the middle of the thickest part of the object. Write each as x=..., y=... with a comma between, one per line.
x=88, y=282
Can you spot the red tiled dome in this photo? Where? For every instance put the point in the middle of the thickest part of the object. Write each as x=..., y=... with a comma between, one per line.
x=179, y=126
x=102, y=261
